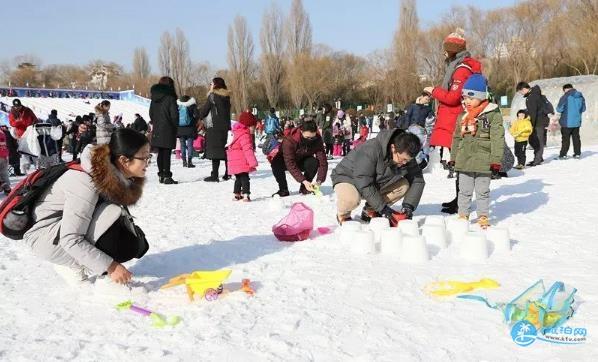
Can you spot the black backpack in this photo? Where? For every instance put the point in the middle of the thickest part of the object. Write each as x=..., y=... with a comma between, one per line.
x=547, y=107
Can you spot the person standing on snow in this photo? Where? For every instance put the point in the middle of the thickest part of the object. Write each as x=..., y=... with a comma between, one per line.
x=536, y=105
x=187, y=130
x=19, y=118
x=241, y=156
x=164, y=114
x=571, y=105
x=104, y=127
x=216, y=114
x=459, y=67
x=324, y=122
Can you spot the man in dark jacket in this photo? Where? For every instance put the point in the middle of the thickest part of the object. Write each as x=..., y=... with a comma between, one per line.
x=55, y=122
x=302, y=154
x=139, y=124
x=382, y=171
x=536, y=107
x=165, y=116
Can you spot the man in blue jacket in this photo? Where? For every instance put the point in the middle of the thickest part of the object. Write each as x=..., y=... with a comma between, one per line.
x=571, y=105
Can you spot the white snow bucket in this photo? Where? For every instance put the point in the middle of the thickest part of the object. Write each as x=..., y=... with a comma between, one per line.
x=391, y=241
x=500, y=238
x=409, y=227
x=377, y=225
x=414, y=250
x=363, y=242
x=347, y=231
x=474, y=247
x=435, y=220
x=457, y=228
x=435, y=235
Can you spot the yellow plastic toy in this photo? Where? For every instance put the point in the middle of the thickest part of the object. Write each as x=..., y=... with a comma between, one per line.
x=206, y=284
x=452, y=287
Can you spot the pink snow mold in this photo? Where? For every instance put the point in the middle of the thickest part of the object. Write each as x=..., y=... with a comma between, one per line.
x=297, y=225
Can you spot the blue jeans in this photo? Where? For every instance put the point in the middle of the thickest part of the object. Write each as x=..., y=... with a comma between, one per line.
x=186, y=146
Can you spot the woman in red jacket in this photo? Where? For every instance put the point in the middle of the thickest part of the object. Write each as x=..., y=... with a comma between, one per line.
x=459, y=66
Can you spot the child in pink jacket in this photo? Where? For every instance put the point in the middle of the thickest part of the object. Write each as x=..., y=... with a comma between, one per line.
x=241, y=156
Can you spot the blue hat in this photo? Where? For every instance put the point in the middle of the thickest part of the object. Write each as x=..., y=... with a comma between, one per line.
x=476, y=86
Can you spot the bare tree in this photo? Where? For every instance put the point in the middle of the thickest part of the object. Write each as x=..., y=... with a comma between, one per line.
x=404, y=74
x=299, y=45
x=272, y=61
x=141, y=65
x=240, y=54
x=180, y=60
x=164, y=54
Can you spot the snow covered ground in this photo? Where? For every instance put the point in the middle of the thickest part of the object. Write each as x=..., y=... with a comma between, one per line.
x=315, y=300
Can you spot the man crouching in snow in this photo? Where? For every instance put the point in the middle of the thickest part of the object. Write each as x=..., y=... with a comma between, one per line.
x=382, y=172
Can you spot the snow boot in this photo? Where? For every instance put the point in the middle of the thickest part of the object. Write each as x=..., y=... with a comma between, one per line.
x=237, y=197
x=246, y=198
x=211, y=178
x=341, y=219
x=367, y=214
x=169, y=181
x=226, y=177
x=281, y=193
x=483, y=222
x=190, y=164
x=184, y=163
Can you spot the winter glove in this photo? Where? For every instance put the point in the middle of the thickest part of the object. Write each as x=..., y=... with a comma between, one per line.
x=392, y=216
x=495, y=167
x=407, y=210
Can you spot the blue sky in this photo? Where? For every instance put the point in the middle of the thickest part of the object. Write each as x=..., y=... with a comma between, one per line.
x=69, y=31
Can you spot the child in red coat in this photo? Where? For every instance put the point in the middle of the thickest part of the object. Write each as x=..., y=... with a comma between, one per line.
x=241, y=156
x=4, y=178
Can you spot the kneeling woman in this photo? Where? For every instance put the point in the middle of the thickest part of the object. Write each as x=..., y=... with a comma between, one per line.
x=82, y=222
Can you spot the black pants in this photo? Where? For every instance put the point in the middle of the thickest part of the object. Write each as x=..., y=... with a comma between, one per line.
x=567, y=133
x=520, y=152
x=242, y=184
x=346, y=147
x=329, y=148
x=309, y=167
x=537, y=141
x=164, y=155
x=216, y=167
x=119, y=243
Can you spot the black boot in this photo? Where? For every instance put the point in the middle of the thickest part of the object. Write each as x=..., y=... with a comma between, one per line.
x=190, y=164
x=212, y=178
x=169, y=181
x=451, y=209
x=450, y=203
x=184, y=163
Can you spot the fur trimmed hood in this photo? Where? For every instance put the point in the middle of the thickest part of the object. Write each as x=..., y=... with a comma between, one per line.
x=189, y=103
x=221, y=92
x=108, y=180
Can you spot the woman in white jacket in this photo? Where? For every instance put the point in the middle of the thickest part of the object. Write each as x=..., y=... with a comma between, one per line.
x=82, y=221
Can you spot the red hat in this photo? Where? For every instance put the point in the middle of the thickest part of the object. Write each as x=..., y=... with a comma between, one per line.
x=247, y=119
x=455, y=42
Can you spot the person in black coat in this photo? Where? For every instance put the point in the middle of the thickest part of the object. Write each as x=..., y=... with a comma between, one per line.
x=139, y=124
x=216, y=115
x=535, y=104
x=187, y=131
x=164, y=114
x=419, y=111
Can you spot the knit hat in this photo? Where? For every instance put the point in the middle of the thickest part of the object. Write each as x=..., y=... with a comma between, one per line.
x=476, y=86
x=247, y=119
x=455, y=42
x=16, y=102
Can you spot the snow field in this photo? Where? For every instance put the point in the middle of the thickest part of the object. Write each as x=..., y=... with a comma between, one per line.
x=315, y=300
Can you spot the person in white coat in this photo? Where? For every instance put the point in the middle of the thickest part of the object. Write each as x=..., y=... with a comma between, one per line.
x=82, y=222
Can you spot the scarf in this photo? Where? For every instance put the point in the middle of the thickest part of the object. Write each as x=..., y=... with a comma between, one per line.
x=451, y=67
x=469, y=123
